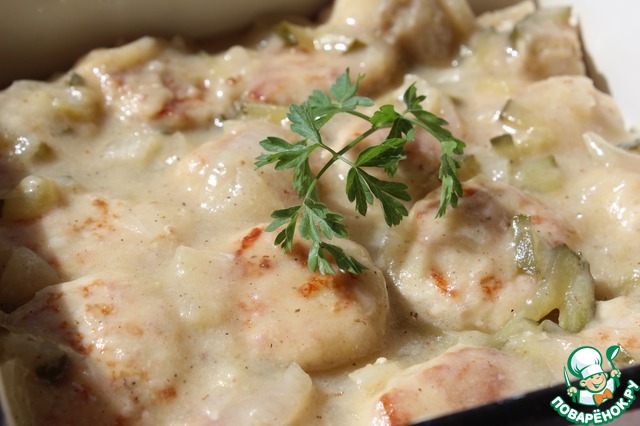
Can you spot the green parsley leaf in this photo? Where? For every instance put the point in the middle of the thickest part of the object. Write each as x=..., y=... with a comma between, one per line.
x=389, y=193
x=387, y=155
x=451, y=187
x=289, y=156
x=358, y=191
x=312, y=218
x=345, y=261
x=343, y=90
x=385, y=116
x=302, y=119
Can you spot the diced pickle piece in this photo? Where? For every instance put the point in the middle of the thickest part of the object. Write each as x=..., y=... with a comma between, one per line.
x=469, y=167
x=540, y=175
x=516, y=325
x=568, y=287
x=505, y=146
x=76, y=79
x=533, y=22
x=548, y=44
x=529, y=132
x=77, y=103
x=535, y=139
x=484, y=47
x=338, y=43
x=303, y=37
x=25, y=273
x=34, y=150
x=526, y=245
x=273, y=113
x=33, y=196
x=578, y=306
x=294, y=35
x=516, y=115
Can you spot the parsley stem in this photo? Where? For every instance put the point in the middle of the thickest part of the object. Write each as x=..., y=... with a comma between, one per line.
x=339, y=155
x=357, y=140
x=335, y=156
x=358, y=114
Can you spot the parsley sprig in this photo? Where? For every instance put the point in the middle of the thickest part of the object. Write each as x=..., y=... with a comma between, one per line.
x=312, y=218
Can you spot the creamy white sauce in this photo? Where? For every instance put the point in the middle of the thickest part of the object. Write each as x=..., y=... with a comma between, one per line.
x=138, y=247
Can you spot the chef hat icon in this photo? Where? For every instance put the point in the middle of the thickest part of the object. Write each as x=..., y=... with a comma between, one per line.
x=585, y=362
